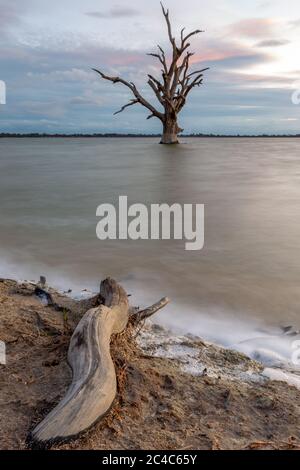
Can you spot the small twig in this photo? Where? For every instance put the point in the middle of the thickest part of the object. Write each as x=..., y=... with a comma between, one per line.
x=148, y=312
x=141, y=326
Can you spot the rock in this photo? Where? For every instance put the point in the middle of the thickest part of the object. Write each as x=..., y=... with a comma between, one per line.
x=44, y=296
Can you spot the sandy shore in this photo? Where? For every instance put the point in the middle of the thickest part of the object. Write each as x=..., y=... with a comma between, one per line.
x=174, y=392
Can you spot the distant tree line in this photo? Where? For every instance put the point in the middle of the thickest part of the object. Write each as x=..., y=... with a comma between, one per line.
x=113, y=134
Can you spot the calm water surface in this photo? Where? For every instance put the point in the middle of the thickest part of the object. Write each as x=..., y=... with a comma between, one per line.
x=249, y=270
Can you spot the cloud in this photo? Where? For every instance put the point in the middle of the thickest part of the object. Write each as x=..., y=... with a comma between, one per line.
x=73, y=75
x=10, y=18
x=295, y=24
x=88, y=98
x=43, y=109
x=223, y=53
x=8, y=14
x=115, y=12
x=46, y=64
x=273, y=43
x=253, y=28
x=262, y=81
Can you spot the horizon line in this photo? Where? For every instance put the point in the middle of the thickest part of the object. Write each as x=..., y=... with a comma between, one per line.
x=126, y=135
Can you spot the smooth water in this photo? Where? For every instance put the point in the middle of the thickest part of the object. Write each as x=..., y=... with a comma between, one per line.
x=249, y=270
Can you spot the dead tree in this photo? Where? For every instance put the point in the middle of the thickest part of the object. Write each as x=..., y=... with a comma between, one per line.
x=94, y=384
x=172, y=90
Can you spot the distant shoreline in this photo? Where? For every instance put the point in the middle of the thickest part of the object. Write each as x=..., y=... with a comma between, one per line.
x=116, y=135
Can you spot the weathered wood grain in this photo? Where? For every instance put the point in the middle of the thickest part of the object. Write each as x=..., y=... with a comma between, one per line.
x=93, y=388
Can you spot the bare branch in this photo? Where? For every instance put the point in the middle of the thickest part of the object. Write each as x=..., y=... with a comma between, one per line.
x=176, y=76
x=181, y=35
x=184, y=67
x=194, y=83
x=166, y=15
x=193, y=33
x=156, y=90
x=161, y=50
x=113, y=79
x=131, y=103
x=183, y=96
x=185, y=47
x=154, y=55
x=163, y=59
x=148, y=312
x=198, y=72
x=157, y=82
x=135, y=91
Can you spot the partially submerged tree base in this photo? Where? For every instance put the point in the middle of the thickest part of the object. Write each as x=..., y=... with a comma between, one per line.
x=170, y=134
x=169, y=139
x=94, y=385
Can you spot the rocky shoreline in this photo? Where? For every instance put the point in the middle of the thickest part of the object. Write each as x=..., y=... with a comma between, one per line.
x=174, y=392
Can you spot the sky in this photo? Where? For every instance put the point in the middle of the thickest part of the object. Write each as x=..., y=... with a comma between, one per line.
x=47, y=51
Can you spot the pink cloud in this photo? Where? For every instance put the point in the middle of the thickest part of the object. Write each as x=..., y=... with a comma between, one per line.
x=215, y=54
x=253, y=28
x=124, y=58
x=221, y=50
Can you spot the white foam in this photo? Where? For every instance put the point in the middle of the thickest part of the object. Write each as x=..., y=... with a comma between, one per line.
x=268, y=345
x=282, y=376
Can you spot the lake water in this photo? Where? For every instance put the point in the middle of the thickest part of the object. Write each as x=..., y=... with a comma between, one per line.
x=246, y=280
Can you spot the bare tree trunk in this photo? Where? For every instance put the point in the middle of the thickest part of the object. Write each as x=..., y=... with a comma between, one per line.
x=170, y=132
x=173, y=89
x=94, y=384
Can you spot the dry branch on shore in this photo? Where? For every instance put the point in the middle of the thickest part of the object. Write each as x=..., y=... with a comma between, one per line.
x=94, y=385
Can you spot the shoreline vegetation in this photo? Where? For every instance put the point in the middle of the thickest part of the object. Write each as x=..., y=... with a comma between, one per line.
x=228, y=403
x=110, y=135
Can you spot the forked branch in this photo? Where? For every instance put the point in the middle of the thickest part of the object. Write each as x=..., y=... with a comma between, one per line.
x=139, y=98
x=131, y=103
x=148, y=312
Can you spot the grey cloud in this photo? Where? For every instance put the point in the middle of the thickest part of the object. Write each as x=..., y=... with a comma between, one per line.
x=238, y=61
x=66, y=75
x=115, y=12
x=87, y=99
x=273, y=43
x=10, y=18
x=295, y=24
x=8, y=14
x=250, y=80
x=43, y=109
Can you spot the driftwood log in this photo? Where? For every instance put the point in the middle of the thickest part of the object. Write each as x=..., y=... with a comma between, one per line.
x=94, y=384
